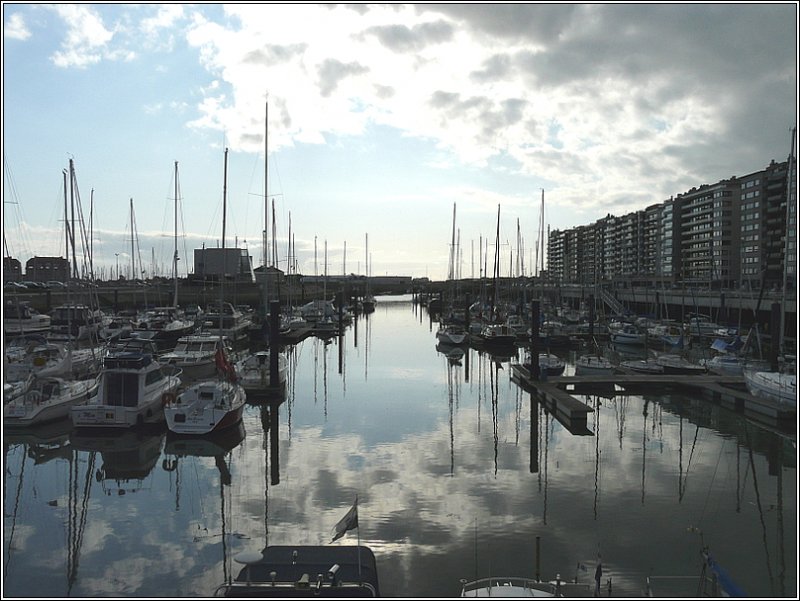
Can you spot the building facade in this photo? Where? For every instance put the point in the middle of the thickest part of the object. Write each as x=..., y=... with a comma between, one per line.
x=214, y=262
x=739, y=232
x=47, y=269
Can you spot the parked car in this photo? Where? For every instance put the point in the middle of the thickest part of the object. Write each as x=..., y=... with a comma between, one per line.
x=56, y=284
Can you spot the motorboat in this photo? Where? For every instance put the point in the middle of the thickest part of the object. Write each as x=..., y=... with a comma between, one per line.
x=74, y=322
x=554, y=334
x=205, y=407
x=47, y=399
x=253, y=372
x=497, y=334
x=223, y=319
x=305, y=571
x=133, y=390
x=551, y=364
x=587, y=365
x=668, y=335
x=20, y=318
x=510, y=586
x=628, y=334
x=164, y=325
x=194, y=355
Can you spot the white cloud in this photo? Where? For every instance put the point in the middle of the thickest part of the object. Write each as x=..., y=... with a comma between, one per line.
x=87, y=39
x=548, y=87
x=15, y=28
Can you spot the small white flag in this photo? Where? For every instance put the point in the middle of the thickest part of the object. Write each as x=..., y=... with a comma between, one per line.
x=348, y=522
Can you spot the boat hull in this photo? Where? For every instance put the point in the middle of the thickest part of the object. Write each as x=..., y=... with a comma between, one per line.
x=778, y=387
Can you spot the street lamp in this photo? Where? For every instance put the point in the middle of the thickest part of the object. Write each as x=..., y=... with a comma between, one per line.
x=117, y=255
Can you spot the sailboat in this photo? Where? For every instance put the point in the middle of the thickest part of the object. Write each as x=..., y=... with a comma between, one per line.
x=450, y=332
x=368, y=303
x=254, y=370
x=215, y=404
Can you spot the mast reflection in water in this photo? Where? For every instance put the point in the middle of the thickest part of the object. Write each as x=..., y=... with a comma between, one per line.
x=456, y=470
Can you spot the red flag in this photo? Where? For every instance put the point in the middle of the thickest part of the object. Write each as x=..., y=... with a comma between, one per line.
x=224, y=366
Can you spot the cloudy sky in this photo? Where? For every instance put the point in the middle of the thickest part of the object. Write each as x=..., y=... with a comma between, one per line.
x=381, y=119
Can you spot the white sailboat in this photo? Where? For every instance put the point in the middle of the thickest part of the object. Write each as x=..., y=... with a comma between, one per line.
x=214, y=404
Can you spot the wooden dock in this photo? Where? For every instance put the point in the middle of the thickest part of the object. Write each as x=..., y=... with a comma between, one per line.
x=568, y=410
x=729, y=391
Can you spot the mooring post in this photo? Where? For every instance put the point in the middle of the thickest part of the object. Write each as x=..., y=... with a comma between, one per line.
x=534, y=342
x=538, y=574
x=274, y=334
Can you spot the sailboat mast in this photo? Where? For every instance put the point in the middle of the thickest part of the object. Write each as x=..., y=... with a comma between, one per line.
x=133, y=255
x=224, y=205
x=450, y=274
x=264, y=281
x=66, y=221
x=91, y=235
x=224, y=214
x=175, y=254
x=266, y=187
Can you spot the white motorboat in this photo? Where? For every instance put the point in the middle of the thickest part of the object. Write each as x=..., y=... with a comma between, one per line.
x=133, y=391
x=47, y=400
x=777, y=386
x=205, y=407
x=20, y=318
x=587, y=365
x=253, y=372
x=194, y=355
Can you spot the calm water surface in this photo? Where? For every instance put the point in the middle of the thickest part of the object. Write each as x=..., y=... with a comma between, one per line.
x=456, y=473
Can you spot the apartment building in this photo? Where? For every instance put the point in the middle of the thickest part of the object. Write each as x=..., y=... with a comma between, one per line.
x=735, y=232
x=708, y=220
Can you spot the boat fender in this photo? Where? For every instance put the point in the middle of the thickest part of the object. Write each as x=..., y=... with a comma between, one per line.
x=167, y=398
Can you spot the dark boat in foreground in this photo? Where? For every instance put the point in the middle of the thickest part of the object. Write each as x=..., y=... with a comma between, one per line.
x=305, y=571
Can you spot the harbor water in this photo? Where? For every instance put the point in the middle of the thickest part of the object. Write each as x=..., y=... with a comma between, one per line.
x=456, y=471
